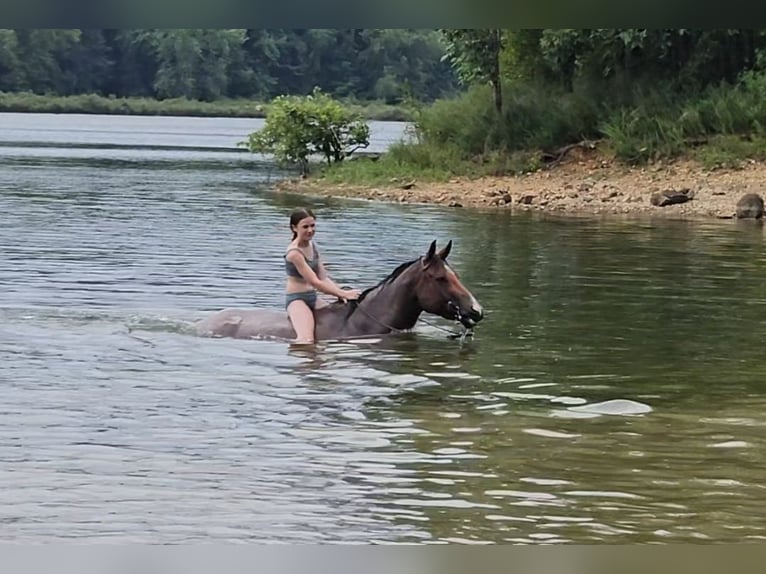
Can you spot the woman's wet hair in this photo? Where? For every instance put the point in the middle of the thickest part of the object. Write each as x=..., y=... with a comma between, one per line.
x=299, y=215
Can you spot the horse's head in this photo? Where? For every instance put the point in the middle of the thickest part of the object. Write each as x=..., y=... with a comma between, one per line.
x=439, y=290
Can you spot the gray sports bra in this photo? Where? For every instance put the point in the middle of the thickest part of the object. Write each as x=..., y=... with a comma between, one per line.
x=292, y=270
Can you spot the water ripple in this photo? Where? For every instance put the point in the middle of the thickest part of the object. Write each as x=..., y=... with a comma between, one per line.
x=613, y=394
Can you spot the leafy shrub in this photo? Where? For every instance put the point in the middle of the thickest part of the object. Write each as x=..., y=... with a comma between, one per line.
x=638, y=135
x=730, y=151
x=534, y=117
x=298, y=127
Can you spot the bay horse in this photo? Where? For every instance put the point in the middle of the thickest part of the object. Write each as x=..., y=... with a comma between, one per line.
x=427, y=284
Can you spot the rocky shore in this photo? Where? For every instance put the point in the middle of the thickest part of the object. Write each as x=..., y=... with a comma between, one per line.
x=583, y=186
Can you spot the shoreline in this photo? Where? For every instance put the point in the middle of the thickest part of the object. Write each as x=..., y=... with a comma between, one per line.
x=580, y=187
x=93, y=104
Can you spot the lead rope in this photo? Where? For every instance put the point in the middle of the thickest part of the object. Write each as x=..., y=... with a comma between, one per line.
x=462, y=335
x=379, y=322
x=450, y=334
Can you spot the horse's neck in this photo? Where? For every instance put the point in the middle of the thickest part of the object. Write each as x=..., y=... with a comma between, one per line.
x=390, y=306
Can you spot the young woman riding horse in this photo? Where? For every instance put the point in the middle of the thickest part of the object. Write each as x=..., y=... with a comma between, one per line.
x=427, y=283
x=305, y=275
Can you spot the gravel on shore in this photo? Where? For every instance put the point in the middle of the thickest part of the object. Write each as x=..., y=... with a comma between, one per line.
x=584, y=186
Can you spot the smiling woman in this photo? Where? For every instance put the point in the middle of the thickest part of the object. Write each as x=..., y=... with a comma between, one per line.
x=306, y=274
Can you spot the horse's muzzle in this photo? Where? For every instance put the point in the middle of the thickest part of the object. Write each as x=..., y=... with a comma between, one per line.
x=468, y=318
x=474, y=316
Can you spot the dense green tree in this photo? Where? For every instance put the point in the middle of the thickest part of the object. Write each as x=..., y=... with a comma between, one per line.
x=177, y=55
x=408, y=64
x=388, y=64
x=135, y=62
x=210, y=64
x=89, y=63
x=10, y=66
x=216, y=53
x=476, y=55
x=43, y=55
x=251, y=67
x=686, y=59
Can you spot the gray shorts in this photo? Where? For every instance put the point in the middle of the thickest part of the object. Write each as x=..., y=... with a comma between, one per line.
x=310, y=297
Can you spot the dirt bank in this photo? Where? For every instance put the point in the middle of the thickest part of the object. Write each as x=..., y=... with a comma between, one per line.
x=581, y=186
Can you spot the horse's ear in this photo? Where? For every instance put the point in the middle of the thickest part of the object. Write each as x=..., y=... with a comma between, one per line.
x=430, y=255
x=445, y=251
x=431, y=250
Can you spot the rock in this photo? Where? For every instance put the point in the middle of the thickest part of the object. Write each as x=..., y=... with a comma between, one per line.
x=586, y=185
x=408, y=185
x=750, y=206
x=526, y=199
x=507, y=198
x=455, y=204
x=671, y=197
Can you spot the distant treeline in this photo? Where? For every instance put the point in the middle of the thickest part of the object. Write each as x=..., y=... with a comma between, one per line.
x=209, y=65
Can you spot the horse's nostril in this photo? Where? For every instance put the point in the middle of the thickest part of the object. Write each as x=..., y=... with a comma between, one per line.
x=477, y=314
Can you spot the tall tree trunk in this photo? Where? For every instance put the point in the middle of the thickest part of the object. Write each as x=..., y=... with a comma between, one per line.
x=498, y=89
x=497, y=86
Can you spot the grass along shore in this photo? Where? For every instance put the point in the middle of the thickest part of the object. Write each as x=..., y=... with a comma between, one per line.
x=570, y=153
x=712, y=146
x=589, y=181
x=239, y=108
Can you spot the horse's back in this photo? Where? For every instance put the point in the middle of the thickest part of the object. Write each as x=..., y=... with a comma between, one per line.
x=246, y=324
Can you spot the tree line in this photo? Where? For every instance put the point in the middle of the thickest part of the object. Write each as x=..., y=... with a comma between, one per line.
x=364, y=64
x=622, y=60
x=212, y=64
x=529, y=97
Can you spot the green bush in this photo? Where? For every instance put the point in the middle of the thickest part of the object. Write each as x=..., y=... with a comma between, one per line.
x=534, y=118
x=298, y=127
x=461, y=123
x=729, y=151
x=637, y=136
x=659, y=124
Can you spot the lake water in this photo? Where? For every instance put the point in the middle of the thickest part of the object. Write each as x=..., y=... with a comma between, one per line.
x=615, y=392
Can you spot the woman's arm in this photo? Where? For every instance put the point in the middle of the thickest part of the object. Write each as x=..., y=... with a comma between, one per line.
x=320, y=281
x=324, y=276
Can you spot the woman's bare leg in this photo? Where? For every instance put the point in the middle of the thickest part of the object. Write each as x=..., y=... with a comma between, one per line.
x=302, y=318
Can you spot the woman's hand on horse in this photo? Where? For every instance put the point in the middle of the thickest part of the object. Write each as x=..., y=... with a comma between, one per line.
x=351, y=294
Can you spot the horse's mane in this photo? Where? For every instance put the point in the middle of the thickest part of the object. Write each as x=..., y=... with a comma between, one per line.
x=353, y=305
x=388, y=279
